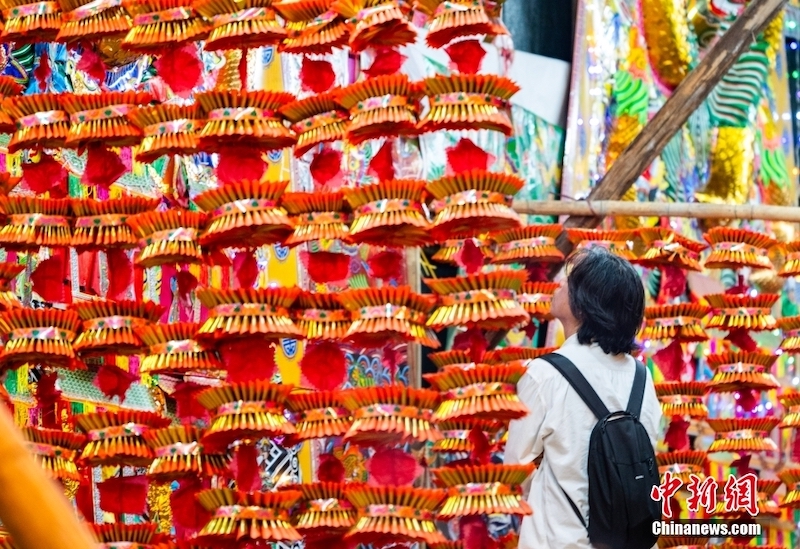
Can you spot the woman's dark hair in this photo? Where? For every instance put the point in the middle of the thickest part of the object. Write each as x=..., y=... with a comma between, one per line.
x=606, y=295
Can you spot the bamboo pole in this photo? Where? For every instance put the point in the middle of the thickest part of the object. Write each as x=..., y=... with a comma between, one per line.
x=32, y=509
x=614, y=208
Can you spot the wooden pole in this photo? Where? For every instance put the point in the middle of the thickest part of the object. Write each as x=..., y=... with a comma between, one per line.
x=614, y=208
x=32, y=508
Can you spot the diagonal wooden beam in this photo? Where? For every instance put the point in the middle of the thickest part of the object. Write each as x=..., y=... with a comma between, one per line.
x=686, y=99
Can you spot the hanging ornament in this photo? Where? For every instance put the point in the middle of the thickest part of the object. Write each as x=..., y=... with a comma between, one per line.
x=159, y=25
x=312, y=27
x=666, y=247
x=511, y=354
x=450, y=20
x=456, y=437
x=380, y=107
x=27, y=22
x=255, y=517
x=244, y=215
x=41, y=121
x=388, y=313
x=35, y=222
x=682, y=398
x=324, y=512
x=246, y=313
x=245, y=411
x=682, y=464
x=620, y=243
x=479, y=391
x=536, y=298
x=743, y=435
x=240, y=24
x=473, y=202
x=55, y=450
x=449, y=249
x=316, y=216
x=316, y=119
x=376, y=23
x=319, y=414
x=790, y=327
x=679, y=322
x=533, y=243
x=791, y=478
x=239, y=117
x=394, y=514
x=392, y=414
x=39, y=336
x=486, y=300
x=174, y=350
x=735, y=311
x=737, y=248
x=740, y=371
x=178, y=453
x=390, y=213
x=115, y=438
x=321, y=316
x=87, y=21
x=468, y=102
x=169, y=237
x=109, y=326
x=485, y=489
x=101, y=224
x=103, y=118
x=166, y=129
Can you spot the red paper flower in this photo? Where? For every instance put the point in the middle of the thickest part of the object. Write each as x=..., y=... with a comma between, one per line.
x=326, y=169
x=240, y=163
x=473, y=341
x=124, y=495
x=676, y=436
x=120, y=272
x=470, y=256
x=188, y=408
x=326, y=267
x=387, y=61
x=670, y=361
x=113, y=381
x=180, y=69
x=245, y=469
x=248, y=359
x=46, y=175
x=465, y=156
x=103, y=167
x=51, y=278
x=43, y=71
x=324, y=365
x=92, y=64
x=246, y=268
x=317, y=76
x=382, y=164
x=392, y=467
x=386, y=265
x=330, y=469
x=466, y=56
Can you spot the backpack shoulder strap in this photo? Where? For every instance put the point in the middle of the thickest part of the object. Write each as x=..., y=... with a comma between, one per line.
x=579, y=383
x=637, y=392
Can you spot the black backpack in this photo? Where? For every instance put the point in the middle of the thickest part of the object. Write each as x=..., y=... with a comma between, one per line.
x=622, y=467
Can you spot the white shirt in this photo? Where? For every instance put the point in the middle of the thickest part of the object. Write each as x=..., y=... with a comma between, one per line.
x=558, y=427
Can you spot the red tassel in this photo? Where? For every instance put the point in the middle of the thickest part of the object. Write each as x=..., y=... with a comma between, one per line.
x=248, y=359
x=392, y=467
x=670, y=361
x=676, y=437
x=124, y=495
x=742, y=339
x=748, y=400
x=188, y=515
x=481, y=449
x=186, y=283
x=180, y=69
x=382, y=164
x=244, y=467
x=326, y=267
x=43, y=71
x=473, y=341
x=739, y=288
x=742, y=466
x=324, y=365
x=386, y=265
x=51, y=278
x=103, y=167
x=474, y=533
x=466, y=56
x=242, y=68
x=673, y=283
x=114, y=381
x=246, y=268
x=330, y=469
x=240, y=163
x=390, y=359
x=84, y=497
x=465, y=156
x=538, y=272
x=47, y=175
x=47, y=398
x=317, y=76
x=189, y=409
x=326, y=169
x=470, y=257
x=387, y=61
x=120, y=272
x=92, y=64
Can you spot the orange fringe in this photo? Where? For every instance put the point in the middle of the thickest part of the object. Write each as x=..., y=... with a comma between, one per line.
x=683, y=398
x=387, y=313
x=27, y=22
x=116, y=438
x=737, y=248
x=483, y=490
x=110, y=534
x=455, y=19
x=103, y=118
x=39, y=336
x=743, y=435
x=666, y=247
x=159, y=24
x=487, y=300
x=530, y=244
x=40, y=121
x=407, y=514
x=101, y=224
x=384, y=106
x=536, y=298
x=56, y=451
x=682, y=464
x=472, y=203
x=510, y=354
x=324, y=511
x=791, y=478
x=312, y=27
x=682, y=322
x=390, y=213
x=317, y=119
x=393, y=414
x=790, y=400
x=731, y=312
x=319, y=414
x=109, y=327
x=34, y=222
x=321, y=316
x=240, y=24
x=166, y=130
x=245, y=215
x=456, y=434
x=174, y=350
x=449, y=249
x=168, y=237
x=8, y=88
x=178, y=453
x=790, y=326
x=468, y=102
x=376, y=23
x=316, y=216
x=84, y=20
x=620, y=243
x=246, y=312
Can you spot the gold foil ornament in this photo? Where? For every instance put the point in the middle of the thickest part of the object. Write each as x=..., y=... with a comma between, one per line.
x=666, y=247
x=159, y=24
x=240, y=24
x=316, y=217
x=39, y=336
x=315, y=120
x=169, y=237
x=383, y=106
x=41, y=121
x=321, y=316
x=246, y=312
x=26, y=22
x=173, y=350
x=737, y=248
x=530, y=244
x=324, y=511
x=178, y=453
x=318, y=414
x=91, y=20
x=732, y=311
x=109, y=327
x=682, y=464
x=483, y=490
x=738, y=371
x=743, y=435
x=166, y=129
x=116, y=438
x=101, y=224
x=682, y=322
x=312, y=26
x=682, y=398
x=666, y=31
